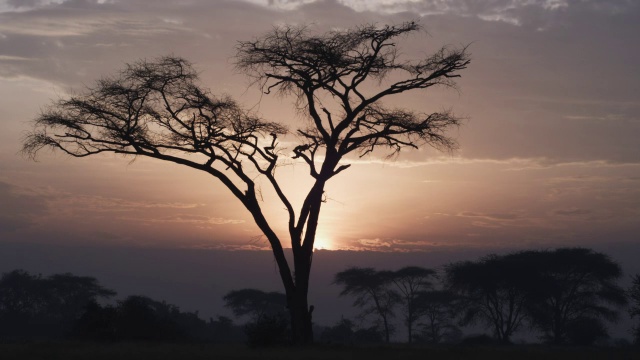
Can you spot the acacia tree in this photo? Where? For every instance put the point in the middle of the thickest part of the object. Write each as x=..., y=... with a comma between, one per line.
x=157, y=109
x=438, y=310
x=372, y=291
x=494, y=290
x=410, y=281
x=255, y=303
x=569, y=286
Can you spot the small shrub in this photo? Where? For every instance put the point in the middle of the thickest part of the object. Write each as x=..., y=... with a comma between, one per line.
x=268, y=331
x=586, y=331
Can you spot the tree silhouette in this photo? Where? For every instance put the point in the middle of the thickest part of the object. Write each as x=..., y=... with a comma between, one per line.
x=22, y=304
x=410, y=281
x=494, y=290
x=564, y=292
x=634, y=311
x=437, y=308
x=571, y=284
x=21, y=293
x=267, y=311
x=338, y=79
x=34, y=306
x=586, y=331
x=372, y=291
x=70, y=294
x=140, y=318
x=255, y=303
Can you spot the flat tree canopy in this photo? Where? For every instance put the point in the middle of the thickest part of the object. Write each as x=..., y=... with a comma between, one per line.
x=158, y=109
x=372, y=292
x=572, y=285
x=255, y=303
x=493, y=290
x=553, y=290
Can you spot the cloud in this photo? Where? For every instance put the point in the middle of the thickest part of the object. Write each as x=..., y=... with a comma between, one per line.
x=545, y=104
x=493, y=220
x=495, y=10
x=389, y=244
x=25, y=206
x=543, y=163
x=375, y=243
x=231, y=247
x=499, y=10
x=133, y=211
x=609, y=117
x=490, y=216
x=85, y=22
x=194, y=219
x=20, y=208
x=572, y=212
x=510, y=164
x=107, y=235
x=439, y=160
x=403, y=245
x=9, y=58
x=580, y=179
x=82, y=204
x=25, y=3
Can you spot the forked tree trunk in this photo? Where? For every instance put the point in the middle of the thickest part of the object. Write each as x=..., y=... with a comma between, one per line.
x=296, y=289
x=296, y=283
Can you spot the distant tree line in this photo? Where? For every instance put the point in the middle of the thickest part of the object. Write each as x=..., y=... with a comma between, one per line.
x=634, y=311
x=35, y=307
x=566, y=295
x=66, y=306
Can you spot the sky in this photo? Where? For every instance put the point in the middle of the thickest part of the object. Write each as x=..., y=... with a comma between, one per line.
x=549, y=153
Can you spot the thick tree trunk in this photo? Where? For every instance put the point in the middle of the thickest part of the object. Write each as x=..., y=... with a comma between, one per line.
x=301, y=321
x=296, y=289
x=301, y=312
x=296, y=283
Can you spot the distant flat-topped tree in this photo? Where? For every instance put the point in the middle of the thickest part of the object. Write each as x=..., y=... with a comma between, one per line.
x=338, y=79
x=565, y=293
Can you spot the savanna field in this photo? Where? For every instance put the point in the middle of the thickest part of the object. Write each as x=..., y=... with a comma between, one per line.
x=125, y=351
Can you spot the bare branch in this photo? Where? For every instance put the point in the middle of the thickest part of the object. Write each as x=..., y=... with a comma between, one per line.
x=339, y=63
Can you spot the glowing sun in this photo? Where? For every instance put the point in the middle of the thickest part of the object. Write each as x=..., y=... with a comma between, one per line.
x=322, y=242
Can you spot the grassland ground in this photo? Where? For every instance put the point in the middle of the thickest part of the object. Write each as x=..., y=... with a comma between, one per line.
x=125, y=351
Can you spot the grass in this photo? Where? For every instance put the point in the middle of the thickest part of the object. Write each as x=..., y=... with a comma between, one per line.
x=125, y=351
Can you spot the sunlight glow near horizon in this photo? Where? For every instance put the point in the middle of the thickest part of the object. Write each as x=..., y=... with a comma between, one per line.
x=324, y=242
x=548, y=157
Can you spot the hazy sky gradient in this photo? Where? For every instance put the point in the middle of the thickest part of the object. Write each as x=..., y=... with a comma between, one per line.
x=549, y=154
